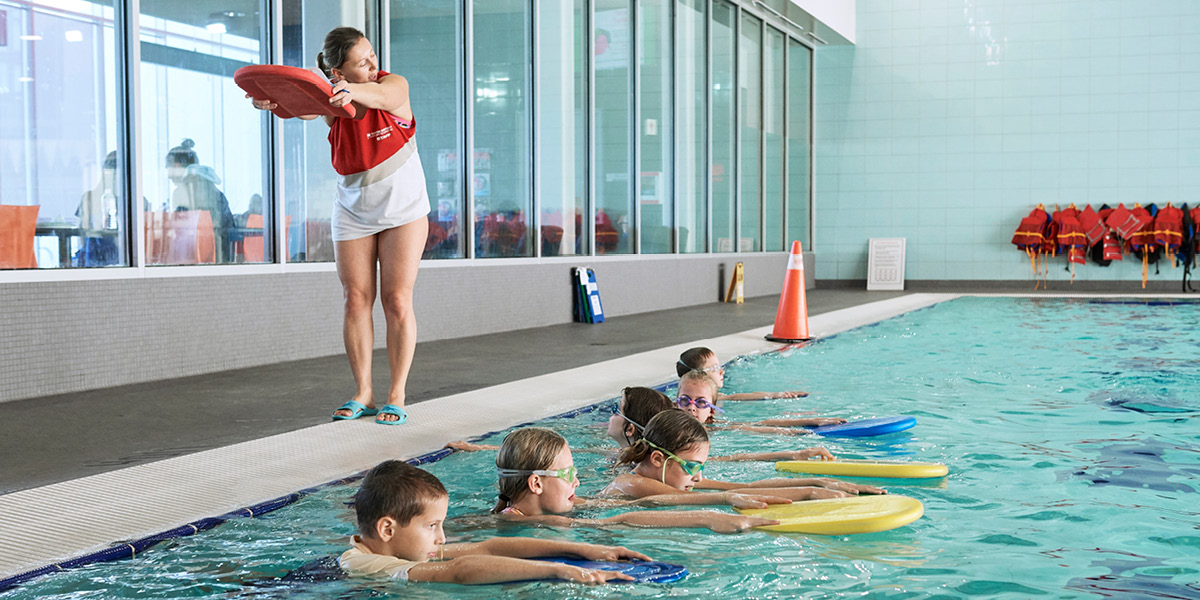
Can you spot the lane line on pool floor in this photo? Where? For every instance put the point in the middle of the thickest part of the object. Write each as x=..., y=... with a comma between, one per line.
x=45, y=525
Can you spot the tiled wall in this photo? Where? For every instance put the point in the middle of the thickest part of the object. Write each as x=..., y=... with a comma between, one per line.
x=950, y=119
x=59, y=337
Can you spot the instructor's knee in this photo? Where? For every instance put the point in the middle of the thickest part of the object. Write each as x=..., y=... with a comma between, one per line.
x=397, y=305
x=358, y=301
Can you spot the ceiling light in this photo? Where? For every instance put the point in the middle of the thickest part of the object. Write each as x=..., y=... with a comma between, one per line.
x=74, y=35
x=31, y=38
x=216, y=28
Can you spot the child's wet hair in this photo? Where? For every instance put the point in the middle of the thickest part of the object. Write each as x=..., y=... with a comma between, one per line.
x=640, y=405
x=698, y=376
x=672, y=430
x=692, y=358
x=394, y=489
x=527, y=449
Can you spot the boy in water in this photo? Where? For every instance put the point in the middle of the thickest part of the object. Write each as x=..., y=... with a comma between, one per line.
x=400, y=510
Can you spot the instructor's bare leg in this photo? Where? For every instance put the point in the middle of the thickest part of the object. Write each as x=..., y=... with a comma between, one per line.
x=399, y=257
x=356, y=269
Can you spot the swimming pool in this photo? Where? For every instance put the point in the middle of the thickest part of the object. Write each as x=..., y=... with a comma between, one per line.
x=1067, y=426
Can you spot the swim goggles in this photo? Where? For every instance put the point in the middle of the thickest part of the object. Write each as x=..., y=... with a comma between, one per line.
x=708, y=370
x=691, y=467
x=568, y=474
x=701, y=403
x=616, y=410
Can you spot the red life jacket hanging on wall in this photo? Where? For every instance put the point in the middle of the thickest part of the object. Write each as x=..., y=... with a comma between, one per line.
x=1071, y=238
x=1109, y=248
x=1168, y=230
x=1031, y=237
x=1141, y=240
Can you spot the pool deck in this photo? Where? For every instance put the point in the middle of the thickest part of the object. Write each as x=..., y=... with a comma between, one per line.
x=164, y=454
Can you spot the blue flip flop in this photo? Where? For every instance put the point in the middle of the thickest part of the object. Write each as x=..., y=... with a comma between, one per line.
x=357, y=409
x=392, y=409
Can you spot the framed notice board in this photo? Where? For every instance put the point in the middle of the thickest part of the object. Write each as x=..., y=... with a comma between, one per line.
x=885, y=265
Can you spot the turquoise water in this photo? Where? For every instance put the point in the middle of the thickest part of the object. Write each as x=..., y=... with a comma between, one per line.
x=1068, y=426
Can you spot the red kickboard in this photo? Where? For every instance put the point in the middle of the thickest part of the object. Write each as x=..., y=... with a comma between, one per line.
x=296, y=91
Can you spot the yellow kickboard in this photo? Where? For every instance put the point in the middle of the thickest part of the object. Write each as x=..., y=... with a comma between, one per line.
x=841, y=516
x=864, y=468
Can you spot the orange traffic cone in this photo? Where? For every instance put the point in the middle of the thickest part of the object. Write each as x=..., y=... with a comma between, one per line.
x=791, y=320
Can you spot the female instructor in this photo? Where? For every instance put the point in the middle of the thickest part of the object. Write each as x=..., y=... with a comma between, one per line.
x=379, y=214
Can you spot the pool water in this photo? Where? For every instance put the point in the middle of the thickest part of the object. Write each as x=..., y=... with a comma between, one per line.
x=1068, y=426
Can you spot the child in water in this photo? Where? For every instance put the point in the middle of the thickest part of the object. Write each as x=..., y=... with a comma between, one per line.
x=400, y=510
x=537, y=481
x=703, y=359
x=696, y=394
x=670, y=458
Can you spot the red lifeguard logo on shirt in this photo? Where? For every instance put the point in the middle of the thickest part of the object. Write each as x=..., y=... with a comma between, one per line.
x=380, y=135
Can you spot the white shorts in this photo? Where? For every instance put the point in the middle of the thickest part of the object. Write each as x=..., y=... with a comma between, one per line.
x=370, y=202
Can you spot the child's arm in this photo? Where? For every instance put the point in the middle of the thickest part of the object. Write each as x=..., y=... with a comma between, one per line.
x=466, y=446
x=759, y=396
x=792, y=493
x=777, y=483
x=524, y=547
x=759, y=429
x=656, y=519
x=805, y=454
x=813, y=422
x=479, y=569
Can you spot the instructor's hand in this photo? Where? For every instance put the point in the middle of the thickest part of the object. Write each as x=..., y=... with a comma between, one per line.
x=262, y=104
x=341, y=93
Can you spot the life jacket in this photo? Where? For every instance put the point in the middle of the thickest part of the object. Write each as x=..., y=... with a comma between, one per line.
x=1141, y=241
x=1195, y=213
x=1093, y=227
x=1032, y=236
x=1070, y=230
x=1070, y=238
x=1187, y=248
x=1168, y=230
x=1125, y=222
x=1031, y=233
x=1102, y=252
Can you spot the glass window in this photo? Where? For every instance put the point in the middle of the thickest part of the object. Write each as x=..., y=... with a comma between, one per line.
x=773, y=99
x=309, y=181
x=799, y=89
x=562, y=126
x=724, y=126
x=750, y=134
x=613, y=113
x=202, y=142
x=690, y=141
x=427, y=49
x=501, y=156
x=62, y=171
x=654, y=135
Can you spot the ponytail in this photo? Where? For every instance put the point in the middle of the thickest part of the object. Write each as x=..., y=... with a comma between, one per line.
x=634, y=453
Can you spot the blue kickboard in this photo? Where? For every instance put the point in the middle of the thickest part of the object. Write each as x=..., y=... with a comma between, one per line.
x=641, y=571
x=867, y=427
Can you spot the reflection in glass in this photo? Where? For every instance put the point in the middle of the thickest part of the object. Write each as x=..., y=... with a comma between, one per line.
x=202, y=144
x=690, y=140
x=799, y=84
x=614, y=116
x=427, y=49
x=562, y=126
x=724, y=127
x=750, y=136
x=309, y=181
x=501, y=184
x=773, y=100
x=58, y=134
x=655, y=136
